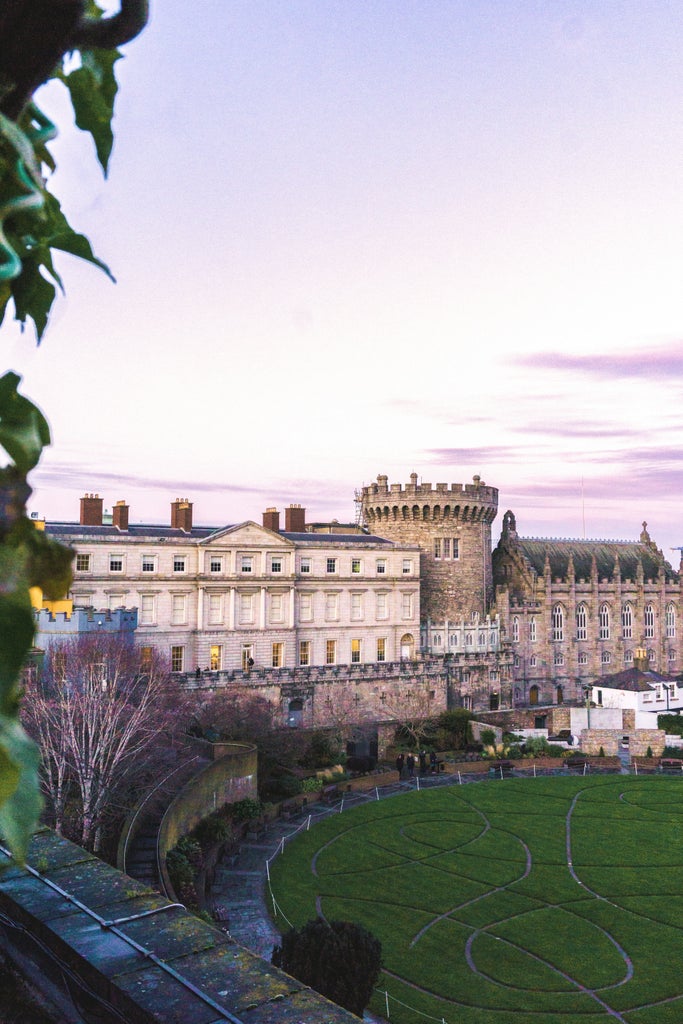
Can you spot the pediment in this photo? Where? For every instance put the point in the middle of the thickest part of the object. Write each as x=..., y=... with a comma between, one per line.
x=247, y=534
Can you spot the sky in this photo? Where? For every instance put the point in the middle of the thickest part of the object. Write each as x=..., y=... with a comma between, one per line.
x=376, y=236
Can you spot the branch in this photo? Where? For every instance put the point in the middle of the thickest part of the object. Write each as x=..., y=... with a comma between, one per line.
x=108, y=33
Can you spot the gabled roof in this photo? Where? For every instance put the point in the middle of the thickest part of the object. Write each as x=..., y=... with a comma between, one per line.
x=605, y=552
x=632, y=679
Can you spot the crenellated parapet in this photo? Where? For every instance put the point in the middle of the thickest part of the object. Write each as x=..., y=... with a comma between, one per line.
x=425, y=502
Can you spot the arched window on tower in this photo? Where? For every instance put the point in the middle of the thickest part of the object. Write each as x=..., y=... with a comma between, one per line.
x=649, y=621
x=558, y=622
x=532, y=629
x=603, y=622
x=515, y=629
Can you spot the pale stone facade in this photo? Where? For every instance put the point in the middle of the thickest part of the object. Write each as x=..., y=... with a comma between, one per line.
x=248, y=596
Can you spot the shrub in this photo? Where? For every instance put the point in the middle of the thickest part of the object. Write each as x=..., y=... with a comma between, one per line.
x=601, y=752
x=192, y=851
x=321, y=752
x=488, y=737
x=312, y=785
x=649, y=752
x=214, y=829
x=180, y=871
x=245, y=810
x=339, y=959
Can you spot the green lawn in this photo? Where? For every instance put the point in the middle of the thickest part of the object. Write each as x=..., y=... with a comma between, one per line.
x=524, y=901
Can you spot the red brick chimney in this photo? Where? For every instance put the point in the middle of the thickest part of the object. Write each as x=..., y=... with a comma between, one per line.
x=120, y=515
x=295, y=519
x=181, y=515
x=271, y=520
x=91, y=510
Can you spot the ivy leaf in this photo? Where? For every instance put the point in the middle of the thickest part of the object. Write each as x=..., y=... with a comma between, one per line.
x=24, y=431
x=93, y=89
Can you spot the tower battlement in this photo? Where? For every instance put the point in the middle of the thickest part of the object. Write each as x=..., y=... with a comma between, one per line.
x=473, y=502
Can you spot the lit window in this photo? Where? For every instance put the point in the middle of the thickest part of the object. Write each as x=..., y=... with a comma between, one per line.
x=216, y=564
x=381, y=648
x=304, y=652
x=330, y=652
x=82, y=563
x=147, y=609
x=355, y=652
x=603, y=622
x=179, y=563
x=627, y=622
x=177, y=659
x=407, y=566
x=215, y=657
x=305, y=565
x=145, y=658
x=276, y=564
x=247, y=563
x=149, y=563
x=116, y=563
x=355, y=565
x=649, y=621
x=331, y=565
x=277, y=655
x=356, y=606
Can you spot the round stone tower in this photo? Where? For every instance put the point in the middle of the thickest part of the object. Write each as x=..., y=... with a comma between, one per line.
x=452, y=526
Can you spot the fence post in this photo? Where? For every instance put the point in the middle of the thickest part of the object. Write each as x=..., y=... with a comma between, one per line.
x=268, y=869
x=459, y=777
x=377, y=792
x=308, y=823
x=534, y=771
x=417, y=780
x=386, y=997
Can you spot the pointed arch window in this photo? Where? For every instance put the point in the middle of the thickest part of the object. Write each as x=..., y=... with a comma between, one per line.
x=670, y=620
x=603, y=622
x=581, y=623
x=532, y=629
x=515, y=629
x=649, y=621
x=627, y=622
x=558, y=622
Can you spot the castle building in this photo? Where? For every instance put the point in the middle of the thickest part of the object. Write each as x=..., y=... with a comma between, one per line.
x=576, y=610
x=248, y=595
x=452, y=527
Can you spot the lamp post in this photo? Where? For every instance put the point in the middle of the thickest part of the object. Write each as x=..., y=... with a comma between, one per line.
x=587, y=691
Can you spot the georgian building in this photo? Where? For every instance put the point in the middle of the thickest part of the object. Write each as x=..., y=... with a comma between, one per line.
x=576, y=610
x=248, y=595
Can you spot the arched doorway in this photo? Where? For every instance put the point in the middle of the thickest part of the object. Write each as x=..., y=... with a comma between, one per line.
x=560, y=695
x=295, y=714
x=407, y=647
x=533, y=694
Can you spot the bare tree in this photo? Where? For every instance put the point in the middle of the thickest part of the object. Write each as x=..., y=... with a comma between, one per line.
x=412, y=706
x=97, y=711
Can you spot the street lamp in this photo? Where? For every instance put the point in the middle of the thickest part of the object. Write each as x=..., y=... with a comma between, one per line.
x=587, y=692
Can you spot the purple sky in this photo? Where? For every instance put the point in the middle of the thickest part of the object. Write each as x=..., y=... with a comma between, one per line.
x=377, y=236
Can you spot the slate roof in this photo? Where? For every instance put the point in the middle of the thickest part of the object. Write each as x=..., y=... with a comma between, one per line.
x=534, y=550
x=632, y=679
x=150, y=532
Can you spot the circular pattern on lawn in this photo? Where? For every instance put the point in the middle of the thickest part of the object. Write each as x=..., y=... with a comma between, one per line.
x=508, y=902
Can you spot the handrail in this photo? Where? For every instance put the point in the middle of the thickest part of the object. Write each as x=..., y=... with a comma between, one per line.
x=144, y=802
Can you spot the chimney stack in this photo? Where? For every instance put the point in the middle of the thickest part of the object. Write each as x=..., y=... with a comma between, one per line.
x=91, y=510
x=181, y=515
x=120, y=515
x=295, y=519
x=271, y=520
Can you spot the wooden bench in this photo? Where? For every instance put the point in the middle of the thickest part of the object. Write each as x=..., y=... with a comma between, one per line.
x=671, y=765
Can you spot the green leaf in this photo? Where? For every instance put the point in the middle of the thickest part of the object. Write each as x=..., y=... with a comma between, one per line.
x=20, y=798
x=93, y=89
x=24, y=431
x=33, y=296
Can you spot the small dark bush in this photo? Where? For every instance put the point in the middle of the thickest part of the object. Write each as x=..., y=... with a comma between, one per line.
x=212, y=830
x=190, y=848
x=282, y=787
x=488, y=737
x=245, y=810
x=180, y=871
